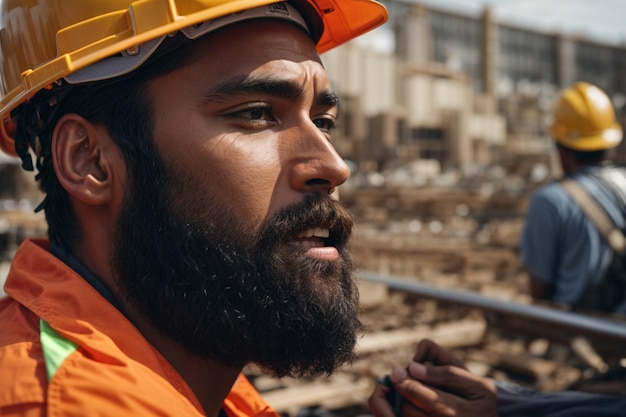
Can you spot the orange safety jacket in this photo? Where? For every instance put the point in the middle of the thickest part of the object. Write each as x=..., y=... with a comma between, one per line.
x=66, y=351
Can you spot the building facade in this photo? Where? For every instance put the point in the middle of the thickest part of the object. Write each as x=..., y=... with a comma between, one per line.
x=466, y=91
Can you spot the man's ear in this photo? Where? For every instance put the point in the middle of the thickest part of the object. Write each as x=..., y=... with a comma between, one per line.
x=86, y=160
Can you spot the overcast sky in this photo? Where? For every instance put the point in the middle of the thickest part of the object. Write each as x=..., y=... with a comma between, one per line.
x=602, y=20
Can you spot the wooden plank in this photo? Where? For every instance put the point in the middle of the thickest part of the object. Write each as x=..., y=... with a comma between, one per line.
x=450, y=335
x=332, y=395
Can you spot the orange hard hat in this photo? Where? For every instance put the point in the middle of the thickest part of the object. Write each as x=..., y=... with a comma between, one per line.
x=49, y=40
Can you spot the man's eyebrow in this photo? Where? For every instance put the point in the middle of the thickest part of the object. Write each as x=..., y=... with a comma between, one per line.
x=327, y=98
x=243, y=85
x=268, y=85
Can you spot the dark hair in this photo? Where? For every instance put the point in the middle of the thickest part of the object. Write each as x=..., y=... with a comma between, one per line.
x=120, y=105
x=586, y=158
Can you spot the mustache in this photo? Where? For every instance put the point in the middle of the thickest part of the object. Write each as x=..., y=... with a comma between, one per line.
x=315, y=210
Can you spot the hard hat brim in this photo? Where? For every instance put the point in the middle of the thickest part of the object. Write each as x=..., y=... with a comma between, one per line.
x=124, y=62
x=607, y=139
x=342, y=20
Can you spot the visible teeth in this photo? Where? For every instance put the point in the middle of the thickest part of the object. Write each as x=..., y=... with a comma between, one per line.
x=317, y=232
x=308, y=244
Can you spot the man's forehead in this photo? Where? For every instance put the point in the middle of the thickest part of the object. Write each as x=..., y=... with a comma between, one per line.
x=249, y=46
x=255, y=58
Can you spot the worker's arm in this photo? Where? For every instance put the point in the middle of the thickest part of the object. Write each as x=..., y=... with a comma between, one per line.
x=539, y=290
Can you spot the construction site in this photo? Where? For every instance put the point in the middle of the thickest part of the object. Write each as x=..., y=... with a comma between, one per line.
x=446, y=138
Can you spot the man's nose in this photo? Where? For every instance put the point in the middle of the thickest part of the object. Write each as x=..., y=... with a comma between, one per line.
x=318, y=167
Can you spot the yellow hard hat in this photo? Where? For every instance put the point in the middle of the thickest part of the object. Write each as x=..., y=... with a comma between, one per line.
x=584, y=119
x=44, y=41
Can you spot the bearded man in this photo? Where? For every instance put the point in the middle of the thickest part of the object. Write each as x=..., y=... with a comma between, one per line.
x=187, y=162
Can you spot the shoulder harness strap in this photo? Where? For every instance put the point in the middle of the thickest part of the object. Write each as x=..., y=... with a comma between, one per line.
x=614, y=237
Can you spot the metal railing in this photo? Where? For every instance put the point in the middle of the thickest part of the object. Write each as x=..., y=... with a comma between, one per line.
x=575, y=322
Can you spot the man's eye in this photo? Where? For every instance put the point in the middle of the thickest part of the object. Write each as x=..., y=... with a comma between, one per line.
x=324, y=124
x=255, y=113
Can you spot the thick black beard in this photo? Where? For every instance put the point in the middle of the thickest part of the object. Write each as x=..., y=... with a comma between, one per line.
x=203, y=280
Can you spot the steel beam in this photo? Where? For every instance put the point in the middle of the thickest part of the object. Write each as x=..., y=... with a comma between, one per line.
x=586, y=325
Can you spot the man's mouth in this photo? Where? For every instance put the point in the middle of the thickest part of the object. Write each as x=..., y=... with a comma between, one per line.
x=316, y=244
x=311, y=238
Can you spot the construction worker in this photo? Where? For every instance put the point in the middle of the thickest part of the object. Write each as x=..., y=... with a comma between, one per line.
x=568, y=258
x=184, y=150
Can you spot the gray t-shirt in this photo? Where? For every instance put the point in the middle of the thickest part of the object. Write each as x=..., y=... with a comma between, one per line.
x=559, y=244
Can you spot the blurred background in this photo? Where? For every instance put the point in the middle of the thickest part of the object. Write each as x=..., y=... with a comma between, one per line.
x=444, y=121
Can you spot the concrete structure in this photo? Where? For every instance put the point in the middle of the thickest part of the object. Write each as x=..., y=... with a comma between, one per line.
x=464, y=90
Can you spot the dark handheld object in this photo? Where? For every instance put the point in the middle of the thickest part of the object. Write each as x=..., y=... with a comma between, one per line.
x=393, y=397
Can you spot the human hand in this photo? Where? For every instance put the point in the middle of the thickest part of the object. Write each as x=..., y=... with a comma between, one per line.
x=430, y=352
x=440, y=387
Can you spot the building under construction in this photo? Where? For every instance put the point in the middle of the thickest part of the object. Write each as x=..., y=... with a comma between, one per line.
x=465, y=91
